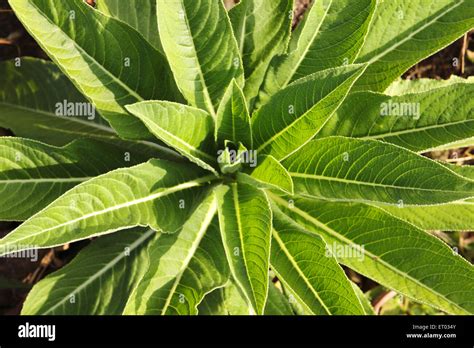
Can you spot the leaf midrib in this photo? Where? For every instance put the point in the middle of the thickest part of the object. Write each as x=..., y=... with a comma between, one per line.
x=415, y=130
x=44, y=180
x=70, y=119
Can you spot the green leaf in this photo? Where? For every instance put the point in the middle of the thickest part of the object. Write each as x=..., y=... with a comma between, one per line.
x=419, y=122
x=456, y=216
x=33, y=97
x=303, y=264
x=199, y=44
x=182, y=267
x=269, y=173
x=98, y=281
x=105, y=62
x=262, y=29
x=189, y=130
x=228, y=300
x=139, y=14
x=158, y=194
x=33, y=174
x=296, y=114
x=277, y=303
x=245, y=222
x=331, y=35
x=403, y=33
x=30, y=95
x=364, y=301
x=233, y=119
x=401, y=87
x=394, y=253
x=372, y=171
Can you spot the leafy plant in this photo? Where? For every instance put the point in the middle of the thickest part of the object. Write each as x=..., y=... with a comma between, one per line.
x=237, y=163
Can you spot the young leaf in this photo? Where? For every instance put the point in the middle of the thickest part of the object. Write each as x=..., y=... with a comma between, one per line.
x=405, y=32
x=139, y=14
x=367, y=170
x=105, y=64
x=418, y=122
x=303, y=263
x=198, y=42
x=233, y=119
x=151, y=194
x=262, y=29
x=394, y=253
x=98, y=281
x=296, y=114
x=269, y=173
x=182, y=267
x=331, y=35
x=245, y=222
x=33, y=174
x=189, y=130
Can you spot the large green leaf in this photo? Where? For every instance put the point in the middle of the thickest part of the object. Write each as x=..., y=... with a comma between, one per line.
x=139, y=14
x=189, y=130
x=262, y=29
x=368, y=170
x=393, y=253
x=98, y=281
x=198, y=41
x=418, y=122
x=296, y=114
x=105, y=62
x=33, y=174
x=403, y=32
x=233, y=118
x=158, y=194
x=245, y=222
x=183, y=267
x=303, y=264
x=331, y=35
x=32, y=97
